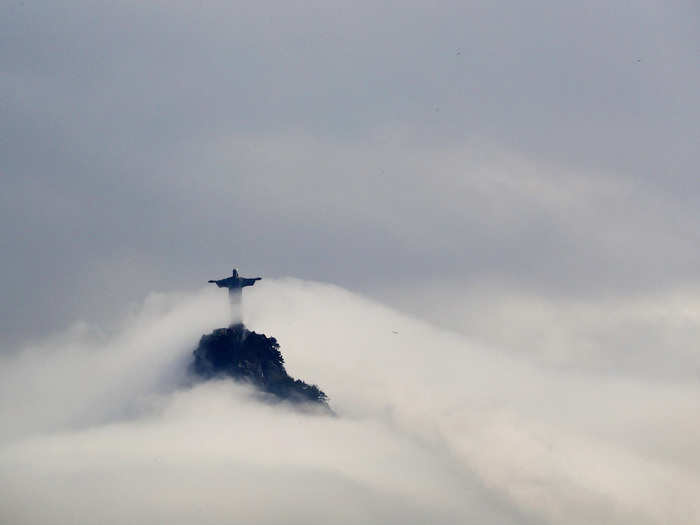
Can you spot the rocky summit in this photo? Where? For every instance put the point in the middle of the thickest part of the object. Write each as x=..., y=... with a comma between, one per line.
x=254, y=358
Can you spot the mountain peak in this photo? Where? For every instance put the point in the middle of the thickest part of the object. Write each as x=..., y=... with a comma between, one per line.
x=250, y=357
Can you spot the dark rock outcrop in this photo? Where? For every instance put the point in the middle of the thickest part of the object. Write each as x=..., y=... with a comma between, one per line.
x=251, y=357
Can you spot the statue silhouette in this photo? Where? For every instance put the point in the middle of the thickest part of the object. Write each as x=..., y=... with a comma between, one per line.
x=235, y=287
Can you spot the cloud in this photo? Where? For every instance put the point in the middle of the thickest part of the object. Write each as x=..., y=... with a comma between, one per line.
x=522, y=176
x=432, y=427
x=650, y=336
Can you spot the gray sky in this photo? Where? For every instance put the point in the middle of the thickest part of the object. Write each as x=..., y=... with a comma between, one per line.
x=152, y=145
x=489, y=213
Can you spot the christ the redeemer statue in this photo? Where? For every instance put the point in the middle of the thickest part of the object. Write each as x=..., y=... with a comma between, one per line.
x=235, y=287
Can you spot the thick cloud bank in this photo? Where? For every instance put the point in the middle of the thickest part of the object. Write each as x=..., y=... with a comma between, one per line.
x=103, y=428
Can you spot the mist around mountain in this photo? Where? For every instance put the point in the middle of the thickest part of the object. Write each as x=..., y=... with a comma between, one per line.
x=432, y=427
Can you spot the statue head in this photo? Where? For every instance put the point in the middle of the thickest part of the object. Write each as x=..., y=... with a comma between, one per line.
x=234, y=273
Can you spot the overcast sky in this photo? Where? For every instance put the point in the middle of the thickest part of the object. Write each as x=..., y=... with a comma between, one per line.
x=149, y=146
x=476, y=224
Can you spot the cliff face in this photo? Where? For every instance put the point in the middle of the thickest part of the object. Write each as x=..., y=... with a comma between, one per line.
x=255, y=358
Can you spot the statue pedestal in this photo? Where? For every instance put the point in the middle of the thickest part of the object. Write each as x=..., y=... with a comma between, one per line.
x=234, y=298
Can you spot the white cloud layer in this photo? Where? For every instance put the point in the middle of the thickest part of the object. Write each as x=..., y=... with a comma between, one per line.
x=431, y=428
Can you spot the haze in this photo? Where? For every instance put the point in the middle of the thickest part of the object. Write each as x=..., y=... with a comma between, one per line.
x=510, y=187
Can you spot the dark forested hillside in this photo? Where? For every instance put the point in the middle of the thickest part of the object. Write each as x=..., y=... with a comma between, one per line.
x=251, y=357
